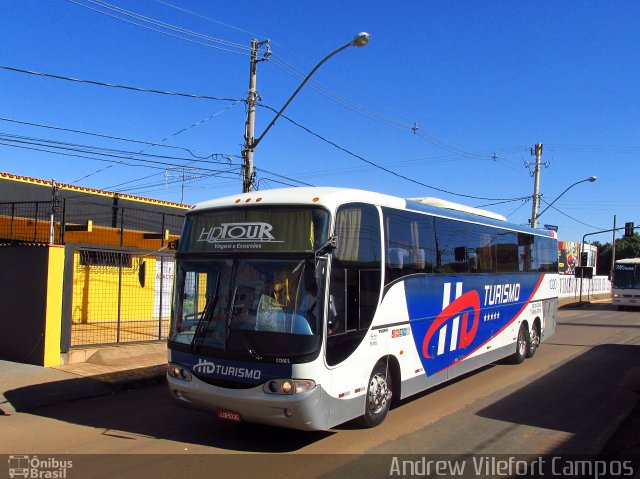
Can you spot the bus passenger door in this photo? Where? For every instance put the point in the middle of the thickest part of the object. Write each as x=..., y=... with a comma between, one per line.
x=355, y=282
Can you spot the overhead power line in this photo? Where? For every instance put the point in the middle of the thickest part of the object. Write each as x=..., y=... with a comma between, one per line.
x=280, y=63
x=111, y=152
x=59, y=149
x=571, y=217
x=173, y=135
x=380, y=167
x=374, y=116
x=209, y=19
x=215, y=43
x=112, y=137
x=115, y=85
x=284, y=177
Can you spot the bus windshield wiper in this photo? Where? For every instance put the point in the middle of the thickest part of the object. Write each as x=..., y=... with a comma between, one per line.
x=233, y=319
x=205, y=317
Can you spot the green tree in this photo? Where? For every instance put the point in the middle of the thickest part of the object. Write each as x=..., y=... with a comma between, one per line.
x=625, y=248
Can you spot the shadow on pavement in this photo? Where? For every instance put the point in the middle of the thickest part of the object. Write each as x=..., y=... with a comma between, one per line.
x=607, y=376
x=149, y=412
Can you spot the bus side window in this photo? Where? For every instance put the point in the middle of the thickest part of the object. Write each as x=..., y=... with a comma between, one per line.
x=410, y=244
x=451, y=244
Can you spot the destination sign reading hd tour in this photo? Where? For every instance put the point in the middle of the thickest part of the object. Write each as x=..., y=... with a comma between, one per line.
x=238, y=232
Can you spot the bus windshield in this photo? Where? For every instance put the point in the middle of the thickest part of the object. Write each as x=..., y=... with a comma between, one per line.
x=249, y=307
x=626, y=276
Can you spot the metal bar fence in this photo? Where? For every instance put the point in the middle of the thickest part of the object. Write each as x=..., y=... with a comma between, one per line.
x=121, y=282
x=24, y=222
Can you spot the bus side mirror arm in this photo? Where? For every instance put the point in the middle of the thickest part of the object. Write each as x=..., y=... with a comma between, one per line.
x=330, y=245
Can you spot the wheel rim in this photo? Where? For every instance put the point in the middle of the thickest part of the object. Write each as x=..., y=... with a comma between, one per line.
x=378, y=393
x=522, y=344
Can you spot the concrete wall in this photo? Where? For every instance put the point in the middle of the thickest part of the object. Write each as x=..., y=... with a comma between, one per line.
x=569, y=286
x=31, y=280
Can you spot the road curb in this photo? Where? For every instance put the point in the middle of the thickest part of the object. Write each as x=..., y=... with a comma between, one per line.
x=35, y=396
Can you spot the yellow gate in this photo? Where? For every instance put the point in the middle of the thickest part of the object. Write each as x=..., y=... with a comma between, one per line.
x=120, y=297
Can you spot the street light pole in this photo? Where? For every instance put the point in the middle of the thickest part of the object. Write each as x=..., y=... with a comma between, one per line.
x=591, y=179
x=250, y=142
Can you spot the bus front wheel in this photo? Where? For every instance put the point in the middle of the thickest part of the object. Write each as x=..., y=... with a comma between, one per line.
x=378, y=398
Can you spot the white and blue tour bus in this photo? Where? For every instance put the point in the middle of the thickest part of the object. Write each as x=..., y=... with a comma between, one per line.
x=625, y=287
x=308, y=307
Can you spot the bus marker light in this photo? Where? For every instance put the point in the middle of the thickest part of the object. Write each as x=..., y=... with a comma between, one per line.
x=273, y=386
x=238, y=201
x=286, y=387
x=179, y=372
x=304, y=385
x=248, y=200
x=258, y=200
x=316, y=199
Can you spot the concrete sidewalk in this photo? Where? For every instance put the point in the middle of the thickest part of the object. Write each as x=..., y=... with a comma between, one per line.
x=24, y=387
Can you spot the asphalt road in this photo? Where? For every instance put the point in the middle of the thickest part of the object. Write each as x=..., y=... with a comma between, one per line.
x=570, y=398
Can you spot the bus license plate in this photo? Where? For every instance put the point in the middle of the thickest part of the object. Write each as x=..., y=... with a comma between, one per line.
x=227, y=415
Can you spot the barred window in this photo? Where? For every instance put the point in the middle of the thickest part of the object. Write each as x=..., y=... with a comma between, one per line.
x=105, y=258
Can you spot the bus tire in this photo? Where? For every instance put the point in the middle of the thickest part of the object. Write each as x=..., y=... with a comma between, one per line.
x=522, y=345
x=534, y=340
x=378, y=398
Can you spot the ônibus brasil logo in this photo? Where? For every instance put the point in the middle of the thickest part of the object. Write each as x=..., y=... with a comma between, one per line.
x=33, y=467
x=238, y=232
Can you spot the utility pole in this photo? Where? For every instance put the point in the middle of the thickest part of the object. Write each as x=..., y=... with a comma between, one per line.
x=248, y=173
x=536, y=185
x=181, y=176
x=249, y=129
x=613, y=248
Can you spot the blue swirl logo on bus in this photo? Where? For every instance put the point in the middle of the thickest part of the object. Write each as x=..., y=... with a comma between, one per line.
x=460, y=337
x=450, y=321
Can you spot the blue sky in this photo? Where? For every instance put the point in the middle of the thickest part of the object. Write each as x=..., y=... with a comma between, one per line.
x=483, y=81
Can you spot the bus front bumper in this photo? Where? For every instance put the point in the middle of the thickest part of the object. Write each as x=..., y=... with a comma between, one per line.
x=307, y=411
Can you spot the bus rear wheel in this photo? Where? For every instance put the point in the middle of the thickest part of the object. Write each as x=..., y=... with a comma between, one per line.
x=522, y=345
x=534, y=340
x=378, y=398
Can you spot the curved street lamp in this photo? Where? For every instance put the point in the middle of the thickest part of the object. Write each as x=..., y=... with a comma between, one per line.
x=360, y=40
x=591, y=179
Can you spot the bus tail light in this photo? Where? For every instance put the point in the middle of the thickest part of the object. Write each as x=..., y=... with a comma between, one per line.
x=288, y=386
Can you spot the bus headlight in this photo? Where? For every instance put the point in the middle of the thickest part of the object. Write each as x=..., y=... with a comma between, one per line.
x=288, y=386
x=179, y=372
